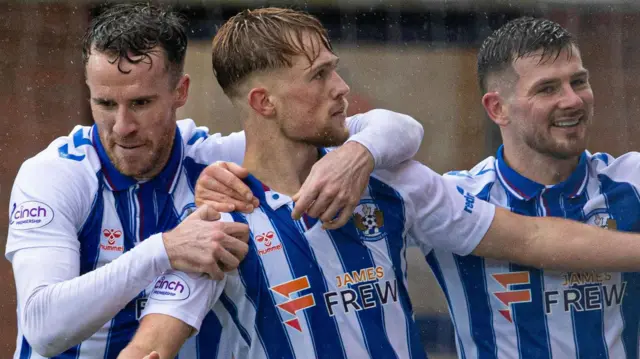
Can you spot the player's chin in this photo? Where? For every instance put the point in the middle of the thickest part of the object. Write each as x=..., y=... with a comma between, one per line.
x=334, y=138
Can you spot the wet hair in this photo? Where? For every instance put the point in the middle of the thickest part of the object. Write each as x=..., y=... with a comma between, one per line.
x=263, y=39
x=519, y=38
x=131, y=32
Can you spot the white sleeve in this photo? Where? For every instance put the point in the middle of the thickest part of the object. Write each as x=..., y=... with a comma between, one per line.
x=207, y=149
x=58, y=309
x=391, y=137
x=50, y=200
x=440, y=215
x=185, y=296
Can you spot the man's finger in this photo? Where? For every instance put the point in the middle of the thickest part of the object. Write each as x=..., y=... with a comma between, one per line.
x=320, y=205
x=212, y=185
x=227, y=261
x=213, y=270
x=205, y=213
x=225, y=173
x=152, y=355
x=235, y=229
x=223, y=203
x=307, y=196
x=236, y=169
x=343, y=217
x=331, y=212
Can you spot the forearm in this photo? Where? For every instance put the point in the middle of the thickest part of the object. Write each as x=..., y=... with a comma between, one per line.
x=160, y=333
x=559, y=244
x=57, y=315
x=565, y=245
x=390, y=137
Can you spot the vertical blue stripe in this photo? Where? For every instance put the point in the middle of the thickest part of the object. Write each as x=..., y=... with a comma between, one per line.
x=123, y=327
x=167, y=217
x=472, y=274
x=25, y=349
x=233, y=312
x=208, y=339
x=530, y=318
x=91, y=234
x=624, y=206
x=437, y=273
x=471, y=270
x=268, y=322
x=125, y=323
x=148, y=216
x=324, y=329
x=630, y=313
x=588, y=320
x=392, y=206
x=193, y=170
x=123, y=207
x=354, y=256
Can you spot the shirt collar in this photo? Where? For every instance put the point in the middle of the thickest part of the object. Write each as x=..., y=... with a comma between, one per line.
x=118, y=182
x=524, y=188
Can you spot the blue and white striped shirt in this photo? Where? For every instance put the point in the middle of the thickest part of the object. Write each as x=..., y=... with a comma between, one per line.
x=303, y=292
x=504, y=310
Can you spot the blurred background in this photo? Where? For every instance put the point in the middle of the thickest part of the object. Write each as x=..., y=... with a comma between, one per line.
x=411, y=56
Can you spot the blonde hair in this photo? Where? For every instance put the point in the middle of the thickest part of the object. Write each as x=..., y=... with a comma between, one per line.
x=262, y=39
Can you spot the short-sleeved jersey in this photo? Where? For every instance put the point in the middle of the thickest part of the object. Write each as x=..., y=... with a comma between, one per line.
x=304, y=292
x=504, y=310
x=70, y=195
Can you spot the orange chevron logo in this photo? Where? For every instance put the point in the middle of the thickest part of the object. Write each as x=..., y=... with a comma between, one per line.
x=509, y=297
x=294, y=304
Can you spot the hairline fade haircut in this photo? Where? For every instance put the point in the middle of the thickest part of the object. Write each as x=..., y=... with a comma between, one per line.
x=132, y=31
x=519, y=38
x=263, y=39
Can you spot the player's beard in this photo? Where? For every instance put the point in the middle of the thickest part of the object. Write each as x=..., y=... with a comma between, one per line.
x=331, y=135
x=149, y=163
x=562, y=150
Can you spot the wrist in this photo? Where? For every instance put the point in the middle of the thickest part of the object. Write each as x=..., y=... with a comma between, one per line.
x=361, y=153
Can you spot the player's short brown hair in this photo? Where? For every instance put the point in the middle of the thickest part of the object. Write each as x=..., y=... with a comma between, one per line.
x=262, y=39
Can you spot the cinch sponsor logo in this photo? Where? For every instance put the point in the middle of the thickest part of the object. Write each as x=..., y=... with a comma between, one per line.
x=170, y=287
x=469, y=200
x=267, y=242
x=30, y=214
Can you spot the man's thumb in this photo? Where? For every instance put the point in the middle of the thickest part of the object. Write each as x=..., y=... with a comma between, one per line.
x=205, y=213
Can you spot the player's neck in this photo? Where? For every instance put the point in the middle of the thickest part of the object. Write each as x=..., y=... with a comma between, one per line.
x=539, y=167
x=279, y=163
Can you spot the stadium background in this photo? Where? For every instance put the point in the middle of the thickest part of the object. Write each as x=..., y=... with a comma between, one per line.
x=411, y=56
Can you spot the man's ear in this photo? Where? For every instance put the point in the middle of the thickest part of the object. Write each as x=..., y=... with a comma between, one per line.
x=260, y=101
x=495, y=106
x=182, y=91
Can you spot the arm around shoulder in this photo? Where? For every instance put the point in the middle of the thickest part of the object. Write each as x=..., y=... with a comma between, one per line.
x=391, y=137
x=560, y=244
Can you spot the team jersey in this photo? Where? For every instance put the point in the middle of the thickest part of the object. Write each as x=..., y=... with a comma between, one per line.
x=505, y=310
x=71, y=197
x=304, y=292
x=104, y=214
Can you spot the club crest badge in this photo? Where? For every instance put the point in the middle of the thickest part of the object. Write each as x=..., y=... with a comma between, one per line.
x=369, y=220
